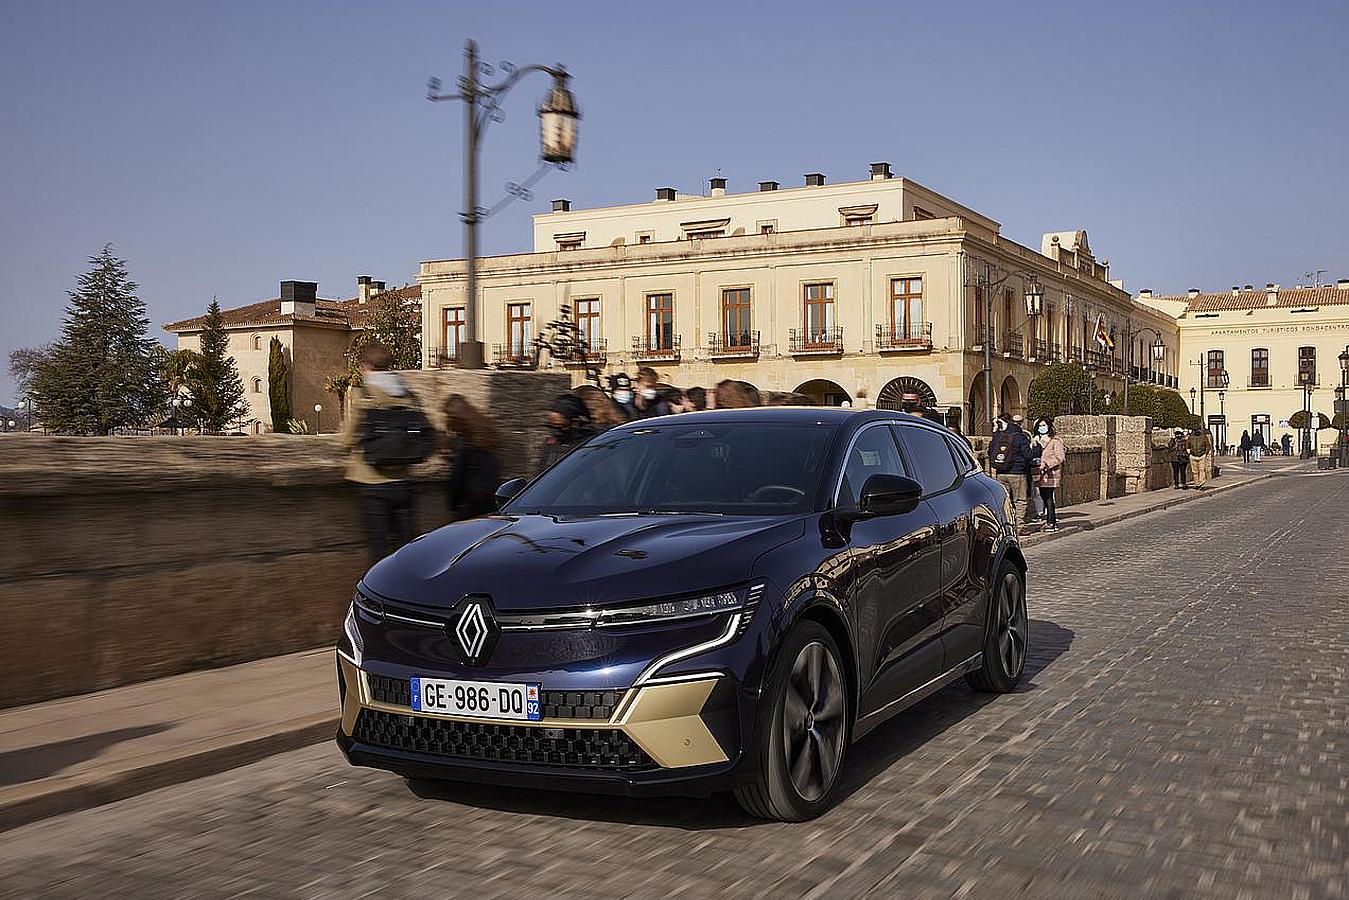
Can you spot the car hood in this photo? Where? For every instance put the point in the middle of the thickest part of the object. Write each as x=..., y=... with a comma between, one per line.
x=541, y=562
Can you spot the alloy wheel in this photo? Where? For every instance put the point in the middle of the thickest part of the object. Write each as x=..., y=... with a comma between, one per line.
x=813, y=714
x=1012, y=624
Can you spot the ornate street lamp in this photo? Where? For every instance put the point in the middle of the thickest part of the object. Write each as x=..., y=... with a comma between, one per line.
x=1035, y=298
x=1192, y=393
x=1343, y=394
x=318, y=413
x=558, y=116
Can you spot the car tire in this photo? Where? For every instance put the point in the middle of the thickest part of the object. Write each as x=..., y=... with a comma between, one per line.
x=1007, y=635
x=804, y=729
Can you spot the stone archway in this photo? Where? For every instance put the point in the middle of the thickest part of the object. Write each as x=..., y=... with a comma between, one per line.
x=895, y=389
x=824, y=392
x=978, y=421
x=1009, y=398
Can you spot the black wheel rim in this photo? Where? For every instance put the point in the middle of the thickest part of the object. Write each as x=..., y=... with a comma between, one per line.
x=813, y=710
x=1013, y=625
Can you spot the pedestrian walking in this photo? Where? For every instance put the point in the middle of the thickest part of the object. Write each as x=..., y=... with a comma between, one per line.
x=605, y=412
x=620, y=388
x=568, y=424
x=1245, y=446
x=386, y=433
x=1178, y=452
x=732, y=394
x=1200, y=447
x=648, y=402
x=1258, y=445
x=475, y=469
x=1287, y=444
x=1049, y=475
x=695, y=399
x=1010, y=456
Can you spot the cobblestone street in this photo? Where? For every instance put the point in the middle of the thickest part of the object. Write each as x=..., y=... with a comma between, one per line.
x=1182, y=733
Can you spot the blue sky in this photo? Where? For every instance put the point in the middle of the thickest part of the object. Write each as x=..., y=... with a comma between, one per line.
x=223, y=147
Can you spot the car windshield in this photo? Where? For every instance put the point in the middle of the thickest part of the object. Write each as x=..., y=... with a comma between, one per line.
x=726, y=468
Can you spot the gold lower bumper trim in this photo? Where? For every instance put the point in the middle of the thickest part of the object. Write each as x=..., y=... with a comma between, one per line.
x=663, y=719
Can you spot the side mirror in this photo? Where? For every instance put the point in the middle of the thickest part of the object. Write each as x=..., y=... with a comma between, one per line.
x=509, y=489
x=889, y=495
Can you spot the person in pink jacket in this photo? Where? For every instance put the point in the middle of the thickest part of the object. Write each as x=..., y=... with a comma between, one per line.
x=1049, y=474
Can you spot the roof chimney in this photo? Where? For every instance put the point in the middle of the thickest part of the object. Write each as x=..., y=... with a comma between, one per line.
x=1342, y=284
x=1193, y=292
x=1235, y=290
x=362, y=288
x=376, y=288
x=814, y=179
x=718, y=186
x=561, y=206
x=768, y=186
x=297, y=297
x=665, y=193
x=1247, y=288
x=1145, y=293
x=1271, y=294
x=880, y=171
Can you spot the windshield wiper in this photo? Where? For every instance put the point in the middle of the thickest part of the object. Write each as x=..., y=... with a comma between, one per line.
x=682, y=512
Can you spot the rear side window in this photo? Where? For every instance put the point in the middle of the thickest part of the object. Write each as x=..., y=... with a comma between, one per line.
x=965, y=462
x=873, y=453
x=930, y=458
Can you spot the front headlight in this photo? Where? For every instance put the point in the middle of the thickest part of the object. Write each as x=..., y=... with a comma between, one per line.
x=351, y=645
x=665, y=610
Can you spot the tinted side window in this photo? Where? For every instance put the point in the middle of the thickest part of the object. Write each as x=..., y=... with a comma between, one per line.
x=874, y=453
x=965, y=462
x=930, y=457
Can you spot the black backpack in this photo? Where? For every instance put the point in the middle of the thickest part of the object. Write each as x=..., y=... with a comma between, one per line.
x=1000, y=456
x=397, y=436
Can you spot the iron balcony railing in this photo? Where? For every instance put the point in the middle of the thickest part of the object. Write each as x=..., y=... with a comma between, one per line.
x=1013, y=343
x=1039, y=350
x=910, y=336
x=817, y=340
x=513, y=356
x=1098, y=360
x=733, y=346
x=1055, y=352
x=439, y=358
x=595, y=351
x=988, y=336
x=1257, y=382
x=1075, y=355
x=644, y=348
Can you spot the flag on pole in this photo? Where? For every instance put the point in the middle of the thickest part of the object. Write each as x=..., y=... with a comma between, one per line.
x=1103, y=334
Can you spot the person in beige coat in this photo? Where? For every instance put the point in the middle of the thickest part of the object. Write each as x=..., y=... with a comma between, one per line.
x=1049, y=474
x=1201, y=458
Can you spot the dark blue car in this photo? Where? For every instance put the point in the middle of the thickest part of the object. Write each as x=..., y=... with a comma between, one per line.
x=686, y=604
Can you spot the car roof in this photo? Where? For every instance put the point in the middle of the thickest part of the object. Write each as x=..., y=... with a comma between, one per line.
x=822, y=415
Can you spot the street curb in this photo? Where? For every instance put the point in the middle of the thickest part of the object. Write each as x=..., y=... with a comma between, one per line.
x=99, y=788
x=1041, y=537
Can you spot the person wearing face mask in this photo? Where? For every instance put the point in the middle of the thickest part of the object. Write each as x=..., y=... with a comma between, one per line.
x=1049, y=475
x=568, y=424
x=648, y=402
x=620, y=388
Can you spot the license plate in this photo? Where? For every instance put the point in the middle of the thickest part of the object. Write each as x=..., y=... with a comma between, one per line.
x=476, y=699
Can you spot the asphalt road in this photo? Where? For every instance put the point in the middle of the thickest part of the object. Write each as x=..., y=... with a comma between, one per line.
x=1182, y=733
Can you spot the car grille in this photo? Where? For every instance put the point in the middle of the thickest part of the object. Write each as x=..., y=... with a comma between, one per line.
x=555, y=704
x=583, y=748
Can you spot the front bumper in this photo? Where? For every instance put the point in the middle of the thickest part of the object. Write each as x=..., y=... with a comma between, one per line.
x=667, y=736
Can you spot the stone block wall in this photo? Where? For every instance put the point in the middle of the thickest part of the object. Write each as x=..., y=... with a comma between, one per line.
x=1081, y=481
x=1125, y=443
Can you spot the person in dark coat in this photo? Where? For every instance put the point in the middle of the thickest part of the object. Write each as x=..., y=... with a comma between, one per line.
x=1245, y=446
x=649, y=401
x=568, y=424
x=475, y=470
x=1009, y=454
x=1178, y=451
x=620, y=388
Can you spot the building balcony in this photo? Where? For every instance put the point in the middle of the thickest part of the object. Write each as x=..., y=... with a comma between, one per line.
x=1013, y=344
x=440, y=358
x=744, y=345
x=513, y=356
x=816, y=342
x=1075, y=355
x=1258, y=384
x=597, y=351
x=1055, y=352
x=984, y=336
x=646, y=349
x=898, y=338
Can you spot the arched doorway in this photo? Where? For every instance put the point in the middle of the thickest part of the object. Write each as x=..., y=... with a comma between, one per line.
x=976, y=414
x=895, y=389
x=1009, y=398
x=824, y=392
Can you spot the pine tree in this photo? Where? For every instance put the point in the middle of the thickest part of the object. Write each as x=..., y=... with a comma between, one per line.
x=278, y=392
x=100, y=374
x=217, y=390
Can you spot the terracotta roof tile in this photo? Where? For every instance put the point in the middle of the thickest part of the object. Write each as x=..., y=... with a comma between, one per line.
x=1288, y=298
x=349, y=313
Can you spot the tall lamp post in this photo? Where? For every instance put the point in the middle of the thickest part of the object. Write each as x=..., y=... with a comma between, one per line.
x=1192, y=393
x=1158, y=354
x=557, y=137
x=318, y=418
x=1342, y=395
x=1305, y=377
x=986, y=283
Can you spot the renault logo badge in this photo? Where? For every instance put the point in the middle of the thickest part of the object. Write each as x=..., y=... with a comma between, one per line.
x=475, y=631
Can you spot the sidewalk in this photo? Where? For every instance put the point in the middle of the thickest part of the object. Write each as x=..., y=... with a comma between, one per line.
x=88, y=750
x=92, y=749
x=1086, y=516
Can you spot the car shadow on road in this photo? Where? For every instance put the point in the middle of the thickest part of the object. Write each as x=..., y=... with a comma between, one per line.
x=867, y=758
x=35, y=763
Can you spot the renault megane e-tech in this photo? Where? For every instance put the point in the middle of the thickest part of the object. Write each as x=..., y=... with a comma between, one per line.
x=686, y=604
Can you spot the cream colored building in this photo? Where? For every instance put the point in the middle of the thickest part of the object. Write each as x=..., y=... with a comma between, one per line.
x=315, y=334
x=851, y=292
x=1267, y=341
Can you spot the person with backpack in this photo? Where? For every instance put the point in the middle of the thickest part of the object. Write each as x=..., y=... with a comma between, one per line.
x=1010, y=456
x=386, y=433
x=475, y=470
x=1178, y=451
